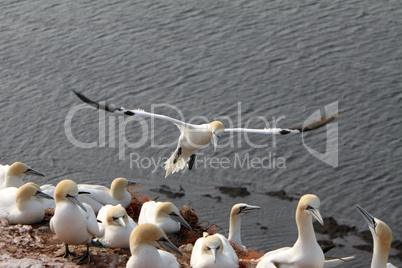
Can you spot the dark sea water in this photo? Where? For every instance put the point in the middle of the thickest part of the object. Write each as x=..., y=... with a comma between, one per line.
x=247, y=63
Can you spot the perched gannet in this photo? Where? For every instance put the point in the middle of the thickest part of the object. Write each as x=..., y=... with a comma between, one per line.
x=236, y=214
x=382, y=237
x=22, y=205
x=10, y=176
x=73, y=222
x=305, y=252
x=115, y=227
x=143, y=242
x=48, y=189
x=213, y=251
x=100, y=195
x=164, y=214
x=193, y=137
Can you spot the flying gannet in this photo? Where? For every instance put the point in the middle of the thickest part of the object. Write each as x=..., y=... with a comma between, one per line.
x=143, y=242
x=115, y=227
x=213, y=251
x=164, y=214
x=193, y=137
x=236, y=214
x=73, y=222
x=22, y=205
x=382, y=237
x=10, y=176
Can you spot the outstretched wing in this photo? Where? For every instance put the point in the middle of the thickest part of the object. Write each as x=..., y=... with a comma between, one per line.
x=282, y=131
x=121, y=110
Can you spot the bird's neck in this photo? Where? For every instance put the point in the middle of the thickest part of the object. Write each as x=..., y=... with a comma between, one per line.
x=117, y=193
x=305, y=227
x=234, y=230
x=12, y=180
x=380, y=253
x=22, y=204
x=142, y=248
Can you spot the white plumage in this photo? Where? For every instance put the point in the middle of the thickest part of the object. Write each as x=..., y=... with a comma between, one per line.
x=143, y=242
x=73, y=222
x=382, y=238
x=10, y=176
x=100, y=195
x=22, y=205
x=305, y=252
x=213, y=251
x=236, y=214
x=115, y=227
x=193, y=137
x=164, y=214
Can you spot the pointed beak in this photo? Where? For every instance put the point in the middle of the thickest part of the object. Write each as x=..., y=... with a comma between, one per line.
x=316, y=213
x=215, y=140
x=248, y=209
x=40, y=194
x=213, y=251
x=76, y=201
x=367, y=217
x=129, y=183
x=166, y=244
x=121, y=222
x=32, y=172
x=180, y=219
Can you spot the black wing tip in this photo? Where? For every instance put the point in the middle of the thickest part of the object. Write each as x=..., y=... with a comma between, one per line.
x=316, y=124
x=325, y=249
x=104, y=106
x=85, y=99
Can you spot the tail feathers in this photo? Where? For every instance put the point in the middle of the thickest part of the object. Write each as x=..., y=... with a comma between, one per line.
x=172, y=167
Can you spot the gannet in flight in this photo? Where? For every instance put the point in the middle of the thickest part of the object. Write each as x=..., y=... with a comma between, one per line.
x=236, y=214
x=143, y=242
x=193, y=137
x=213, y=251
x=73, y=222
x=382, y=237
x=22, y=205
x=305, y=252
x=115, y=227
x=164, y=214
x=10, y=176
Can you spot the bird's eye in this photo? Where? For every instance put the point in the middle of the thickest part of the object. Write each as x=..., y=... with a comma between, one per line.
x=208, y=248
x=162, y=239
x=218, y=247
